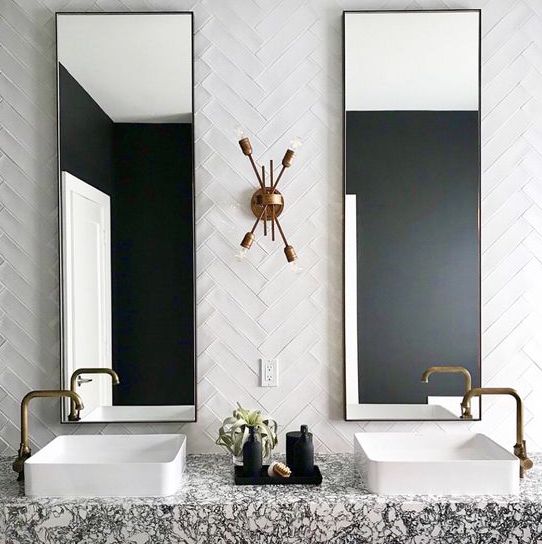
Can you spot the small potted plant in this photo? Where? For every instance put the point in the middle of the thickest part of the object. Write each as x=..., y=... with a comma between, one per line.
x=235, y=431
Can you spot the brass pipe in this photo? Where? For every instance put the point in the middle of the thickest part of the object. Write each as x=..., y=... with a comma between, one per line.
x=281, y=231
x=265, y=206
x=74, y=413
x=278, y=178
x=256, y=222
x=256, y=171
x=520, y=448
x=271, y=176
x=24, y=448
x=450, y=369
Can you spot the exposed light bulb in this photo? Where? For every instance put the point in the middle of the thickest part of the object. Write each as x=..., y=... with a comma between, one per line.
x=296, y=143
x=241, y=254
x=233, y=206
x=295, y=268
x=240, y=133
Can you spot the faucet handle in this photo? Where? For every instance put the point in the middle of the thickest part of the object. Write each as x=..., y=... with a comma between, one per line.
x=466, y=411
x=18, y=464
x=525, y=463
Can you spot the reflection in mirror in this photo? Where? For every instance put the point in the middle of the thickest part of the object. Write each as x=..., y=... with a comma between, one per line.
x=125, y=122
x=412, y=243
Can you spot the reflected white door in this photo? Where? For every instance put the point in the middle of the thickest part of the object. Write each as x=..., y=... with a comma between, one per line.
x=87, y=275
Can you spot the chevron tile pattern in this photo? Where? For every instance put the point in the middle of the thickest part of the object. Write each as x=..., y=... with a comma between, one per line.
x=273, y=67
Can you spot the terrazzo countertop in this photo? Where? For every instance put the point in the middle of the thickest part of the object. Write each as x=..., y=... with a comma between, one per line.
x=209, y=508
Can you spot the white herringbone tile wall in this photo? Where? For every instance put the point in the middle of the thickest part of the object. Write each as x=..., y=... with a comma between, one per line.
x=274, y=67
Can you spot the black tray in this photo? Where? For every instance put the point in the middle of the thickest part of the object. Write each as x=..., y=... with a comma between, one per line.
x=264, y=479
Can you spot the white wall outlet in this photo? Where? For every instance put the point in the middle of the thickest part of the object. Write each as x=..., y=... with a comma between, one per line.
x=269, y=372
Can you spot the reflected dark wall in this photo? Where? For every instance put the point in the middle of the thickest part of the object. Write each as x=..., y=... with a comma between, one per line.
x=153, y=294
x=147, y=171
x=86, y=135
x=416, y=177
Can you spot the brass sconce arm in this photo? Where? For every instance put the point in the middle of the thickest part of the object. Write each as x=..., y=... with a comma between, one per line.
x=24, y=448
x=74, y=414
x=520, y=448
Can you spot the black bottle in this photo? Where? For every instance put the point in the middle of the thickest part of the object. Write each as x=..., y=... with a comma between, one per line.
x=303, y=464
x=252, y=454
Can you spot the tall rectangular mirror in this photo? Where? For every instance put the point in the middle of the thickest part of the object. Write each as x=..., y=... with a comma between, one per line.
x=412, y=213
x=125, y=129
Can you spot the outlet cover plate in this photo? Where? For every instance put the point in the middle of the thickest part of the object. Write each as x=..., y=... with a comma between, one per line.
x=269, y=372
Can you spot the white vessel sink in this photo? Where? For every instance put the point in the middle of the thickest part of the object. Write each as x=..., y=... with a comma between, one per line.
x=107, y=466
x=435, y=464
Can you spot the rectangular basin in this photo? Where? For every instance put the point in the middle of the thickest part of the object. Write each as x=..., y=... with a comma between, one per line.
x=435, y=464
x=107, y=466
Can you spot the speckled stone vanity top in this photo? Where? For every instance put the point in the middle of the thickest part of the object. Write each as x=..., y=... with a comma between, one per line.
x=209, y=508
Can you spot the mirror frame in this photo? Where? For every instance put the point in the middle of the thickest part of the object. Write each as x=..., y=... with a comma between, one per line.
x=64, y=383
x=344, y=158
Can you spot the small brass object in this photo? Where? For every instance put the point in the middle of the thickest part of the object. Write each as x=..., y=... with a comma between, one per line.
x=24, y=448
x=246, y=148
x=74, y=414
x=278, y=470
x=248, y=240
x=452, y=369
x=520, y=448
x=290, y=254
x=288, y=158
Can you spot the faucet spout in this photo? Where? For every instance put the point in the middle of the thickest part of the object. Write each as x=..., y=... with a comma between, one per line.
x=24, y=448
x=452, y=369
x=74, y=414
x=447, y=369
x=520, y=448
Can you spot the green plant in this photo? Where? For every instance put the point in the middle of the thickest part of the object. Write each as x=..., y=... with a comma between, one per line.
x=234, y=431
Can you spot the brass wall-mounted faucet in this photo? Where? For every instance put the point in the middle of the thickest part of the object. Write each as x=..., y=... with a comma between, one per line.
x=452, y=370
x=520, y=448
x=24, y=448
x=74, y=414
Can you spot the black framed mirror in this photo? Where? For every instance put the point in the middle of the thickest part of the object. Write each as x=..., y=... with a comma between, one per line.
x=412, y=213
x=126, y=175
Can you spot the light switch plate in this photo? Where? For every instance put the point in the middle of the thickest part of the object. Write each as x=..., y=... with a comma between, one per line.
x=269, y=372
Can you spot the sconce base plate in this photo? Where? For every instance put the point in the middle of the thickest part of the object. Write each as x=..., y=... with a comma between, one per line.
x=261, y=198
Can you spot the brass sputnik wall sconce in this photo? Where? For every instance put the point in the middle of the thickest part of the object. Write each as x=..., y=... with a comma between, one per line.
x=267, y=203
